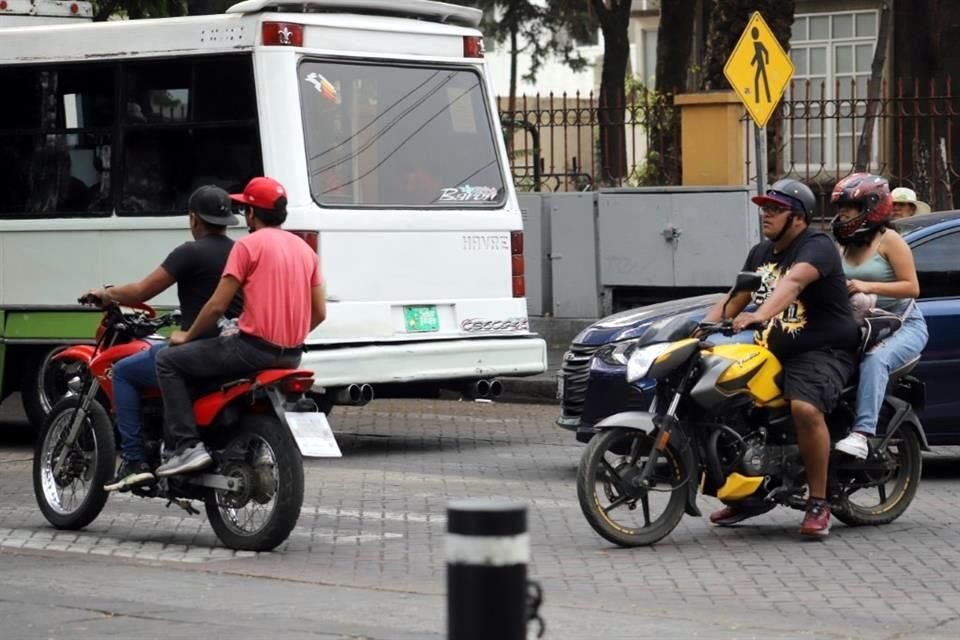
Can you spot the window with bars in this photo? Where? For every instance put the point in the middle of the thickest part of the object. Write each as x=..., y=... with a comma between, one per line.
x=832, y=54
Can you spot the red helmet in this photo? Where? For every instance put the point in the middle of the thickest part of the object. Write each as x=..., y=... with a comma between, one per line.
x=868, y=193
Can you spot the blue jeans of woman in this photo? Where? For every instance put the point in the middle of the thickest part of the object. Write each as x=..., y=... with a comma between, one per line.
x=904, y=345
x=130, y=375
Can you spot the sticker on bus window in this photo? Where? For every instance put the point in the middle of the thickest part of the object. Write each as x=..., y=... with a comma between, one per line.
x=466, y=193
x=323, y=86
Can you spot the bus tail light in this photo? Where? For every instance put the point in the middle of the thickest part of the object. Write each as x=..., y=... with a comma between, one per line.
x=282, y=34
x=312, y=238
x=473, y=47
x=516, y=264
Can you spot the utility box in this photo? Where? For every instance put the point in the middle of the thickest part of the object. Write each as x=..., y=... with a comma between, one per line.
x=674, y=236
x=573, y=254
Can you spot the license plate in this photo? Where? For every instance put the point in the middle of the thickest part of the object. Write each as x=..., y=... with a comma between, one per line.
x=313, y=434
x=421, y=319
x=559, y=386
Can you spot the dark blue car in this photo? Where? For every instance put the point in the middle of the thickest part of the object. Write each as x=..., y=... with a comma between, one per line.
x=592, y=388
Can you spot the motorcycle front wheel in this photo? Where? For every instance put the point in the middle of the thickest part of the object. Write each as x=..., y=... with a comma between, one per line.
x=73, y=497
x=260, y=515
x=611, y=501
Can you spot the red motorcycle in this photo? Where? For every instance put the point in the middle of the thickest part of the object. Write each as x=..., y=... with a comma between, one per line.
x=254, y=491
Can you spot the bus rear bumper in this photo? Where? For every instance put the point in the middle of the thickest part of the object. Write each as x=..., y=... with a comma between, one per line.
x=422, y=361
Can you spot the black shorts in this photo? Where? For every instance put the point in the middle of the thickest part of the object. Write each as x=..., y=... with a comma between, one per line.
x=818, y=376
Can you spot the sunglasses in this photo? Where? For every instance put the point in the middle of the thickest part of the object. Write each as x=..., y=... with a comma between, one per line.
x=773, y=210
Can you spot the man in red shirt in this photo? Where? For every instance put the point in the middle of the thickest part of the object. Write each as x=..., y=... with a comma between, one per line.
x=283, y=300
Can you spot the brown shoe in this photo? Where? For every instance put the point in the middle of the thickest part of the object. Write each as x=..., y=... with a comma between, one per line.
x=732, y=514
x=816, y=522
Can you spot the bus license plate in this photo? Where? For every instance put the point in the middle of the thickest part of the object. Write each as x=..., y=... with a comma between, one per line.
x=313, y=434
x=421, y=319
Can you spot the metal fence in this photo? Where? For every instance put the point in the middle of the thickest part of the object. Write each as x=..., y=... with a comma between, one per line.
x=817, y=134
x=554, y=141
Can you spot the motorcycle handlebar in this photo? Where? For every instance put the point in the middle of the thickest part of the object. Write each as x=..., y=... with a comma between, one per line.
x=726, y=327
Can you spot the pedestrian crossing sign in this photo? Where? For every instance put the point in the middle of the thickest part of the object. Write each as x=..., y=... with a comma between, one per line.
x=759, y=70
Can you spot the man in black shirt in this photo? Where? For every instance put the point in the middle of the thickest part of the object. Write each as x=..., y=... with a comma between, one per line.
x=809, y=326
x=196, y=268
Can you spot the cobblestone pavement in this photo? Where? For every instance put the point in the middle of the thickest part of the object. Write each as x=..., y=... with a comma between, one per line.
x=373, y=524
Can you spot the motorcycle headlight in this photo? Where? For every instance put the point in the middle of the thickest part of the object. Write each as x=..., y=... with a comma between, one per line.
x=641, y=360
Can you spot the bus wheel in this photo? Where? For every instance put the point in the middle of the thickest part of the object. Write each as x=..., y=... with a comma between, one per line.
x=44, y=382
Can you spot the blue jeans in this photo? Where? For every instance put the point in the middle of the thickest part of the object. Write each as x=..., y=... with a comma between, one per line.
x=130, y=375
x=904, y=345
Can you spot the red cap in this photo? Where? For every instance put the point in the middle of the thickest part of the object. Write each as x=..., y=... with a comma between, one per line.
x=774, y=198
x=261, y=193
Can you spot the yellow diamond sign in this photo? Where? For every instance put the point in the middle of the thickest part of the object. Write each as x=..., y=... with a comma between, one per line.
x=759, y=70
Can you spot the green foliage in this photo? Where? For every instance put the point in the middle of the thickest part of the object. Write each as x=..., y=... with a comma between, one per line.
x=136, y=9
x=654, y=112
x=545, y=30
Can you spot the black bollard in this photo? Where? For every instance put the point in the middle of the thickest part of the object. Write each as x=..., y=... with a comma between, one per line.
x=487, y=554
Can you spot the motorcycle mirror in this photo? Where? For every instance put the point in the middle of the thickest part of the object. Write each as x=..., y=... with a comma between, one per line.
x=746, y=281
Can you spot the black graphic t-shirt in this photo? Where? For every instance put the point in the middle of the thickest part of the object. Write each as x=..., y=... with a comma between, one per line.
x=197, y=267
x=821, y=316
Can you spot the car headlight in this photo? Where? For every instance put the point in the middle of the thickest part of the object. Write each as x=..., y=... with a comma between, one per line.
x=641, y=360
x=616, y=354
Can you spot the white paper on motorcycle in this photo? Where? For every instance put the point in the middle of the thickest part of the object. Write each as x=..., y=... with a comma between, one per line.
x=313, y=434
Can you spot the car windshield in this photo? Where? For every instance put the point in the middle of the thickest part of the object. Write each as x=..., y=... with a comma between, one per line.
x=391, y=135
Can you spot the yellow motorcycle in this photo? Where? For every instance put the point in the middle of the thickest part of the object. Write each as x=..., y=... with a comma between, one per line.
x=719, y=424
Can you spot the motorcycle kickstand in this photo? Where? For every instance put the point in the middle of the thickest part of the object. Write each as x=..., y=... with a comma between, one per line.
x=183, y=504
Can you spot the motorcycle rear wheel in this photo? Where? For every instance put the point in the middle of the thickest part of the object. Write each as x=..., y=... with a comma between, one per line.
x=890, y=506
x=262, y=514
x=600, y=479
x=73, y=498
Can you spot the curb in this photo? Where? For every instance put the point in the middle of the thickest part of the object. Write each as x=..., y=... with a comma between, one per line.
x=541, y=389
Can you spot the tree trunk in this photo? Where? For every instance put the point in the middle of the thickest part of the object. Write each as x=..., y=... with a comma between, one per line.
x=916, y=67
x=674, y=42
x=876, y=78
x=615, y=23
x=512, y=98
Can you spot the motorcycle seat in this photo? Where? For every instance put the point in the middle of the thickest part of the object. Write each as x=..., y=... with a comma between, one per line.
x=850, y=391
x=207, y=405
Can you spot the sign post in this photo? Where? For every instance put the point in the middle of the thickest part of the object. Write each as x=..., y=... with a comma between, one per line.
x=759, y=70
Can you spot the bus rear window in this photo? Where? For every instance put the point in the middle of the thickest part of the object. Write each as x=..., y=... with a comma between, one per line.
x=398, y=136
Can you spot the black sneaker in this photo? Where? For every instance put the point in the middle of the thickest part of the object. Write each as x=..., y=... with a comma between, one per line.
x=193, y=458
x=130, y=474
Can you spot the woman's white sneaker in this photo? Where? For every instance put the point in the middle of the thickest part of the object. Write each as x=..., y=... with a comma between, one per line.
x=855, y=445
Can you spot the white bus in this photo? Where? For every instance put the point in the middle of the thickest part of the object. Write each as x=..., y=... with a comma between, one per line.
x=376, y=115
